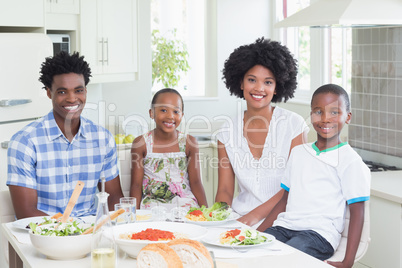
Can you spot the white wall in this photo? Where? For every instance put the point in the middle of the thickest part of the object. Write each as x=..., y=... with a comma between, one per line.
x=239, y=22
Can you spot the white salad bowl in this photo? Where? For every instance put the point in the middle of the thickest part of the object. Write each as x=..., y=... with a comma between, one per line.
x=62, y=247
x=133, y=247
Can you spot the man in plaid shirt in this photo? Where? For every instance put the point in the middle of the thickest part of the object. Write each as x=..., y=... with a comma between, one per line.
x=49, y=156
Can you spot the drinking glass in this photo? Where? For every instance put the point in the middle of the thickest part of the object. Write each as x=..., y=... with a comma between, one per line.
x=122, y=218
x=159, y=213
x=132, y=203
x=178, y=213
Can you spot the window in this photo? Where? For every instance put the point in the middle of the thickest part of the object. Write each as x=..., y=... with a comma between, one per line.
x=323, y=54
x=188, y=18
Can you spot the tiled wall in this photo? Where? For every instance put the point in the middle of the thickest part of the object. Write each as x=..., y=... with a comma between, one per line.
x=376, y=94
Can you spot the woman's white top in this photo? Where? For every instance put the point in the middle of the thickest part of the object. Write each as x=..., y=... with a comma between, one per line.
x=260, y=179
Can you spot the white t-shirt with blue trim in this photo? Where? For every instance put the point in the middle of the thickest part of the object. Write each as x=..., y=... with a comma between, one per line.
x=320, y=183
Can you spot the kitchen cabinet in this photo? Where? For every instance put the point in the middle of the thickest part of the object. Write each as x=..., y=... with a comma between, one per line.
x=22, y=13
x=109, y=38
x=209, y=173
x=385, y=221
x=63, y=6
x=62, y=15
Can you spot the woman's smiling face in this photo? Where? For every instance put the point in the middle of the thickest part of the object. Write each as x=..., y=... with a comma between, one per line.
x=258, y=87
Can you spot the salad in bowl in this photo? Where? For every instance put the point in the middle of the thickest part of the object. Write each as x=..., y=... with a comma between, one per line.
x=61, y=241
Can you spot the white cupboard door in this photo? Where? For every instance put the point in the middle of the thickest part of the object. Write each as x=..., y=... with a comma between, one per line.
x=91, y=46
x=22, y=13
x=21, y=94
x=63, y=6
x=109, y=38
x=6, y=132
x=119, y=30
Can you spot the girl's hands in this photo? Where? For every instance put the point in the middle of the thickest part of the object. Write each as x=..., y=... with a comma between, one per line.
x=339, y=264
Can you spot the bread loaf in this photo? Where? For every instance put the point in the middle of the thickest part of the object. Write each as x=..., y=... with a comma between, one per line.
x=192, y=253
x=158, y=255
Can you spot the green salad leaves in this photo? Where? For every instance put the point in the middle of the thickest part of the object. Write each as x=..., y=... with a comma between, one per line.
x=248, y=237
x=217, y=212
x=63, y=229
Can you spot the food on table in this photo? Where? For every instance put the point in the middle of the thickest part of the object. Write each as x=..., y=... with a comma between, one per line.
x=47, y=220
x=62, y=229
x=192, y=253
x=152, y=235
x=143, y=217
x=158, y=255
x=242, y=237
x=218, y=212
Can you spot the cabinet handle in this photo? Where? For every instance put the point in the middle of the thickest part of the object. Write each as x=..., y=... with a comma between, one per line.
x=14, y=102
x=101, y=47
x=207, y=163
x=4, y=144
x=107, y=51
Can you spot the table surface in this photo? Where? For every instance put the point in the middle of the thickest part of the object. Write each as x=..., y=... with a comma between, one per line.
x=287, y=257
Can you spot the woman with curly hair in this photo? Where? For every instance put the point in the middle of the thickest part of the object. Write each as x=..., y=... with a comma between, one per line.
x=254, y=148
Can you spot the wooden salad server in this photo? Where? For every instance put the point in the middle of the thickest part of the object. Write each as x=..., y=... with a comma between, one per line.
x=73, y=199
x=112, y=217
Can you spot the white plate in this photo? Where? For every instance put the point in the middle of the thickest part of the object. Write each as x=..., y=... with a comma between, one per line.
x=213, y=235
x=22, y=223
x=233, y=216
x=132, y=247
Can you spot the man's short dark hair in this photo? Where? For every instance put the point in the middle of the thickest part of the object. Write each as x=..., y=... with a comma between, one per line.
x=63, y=63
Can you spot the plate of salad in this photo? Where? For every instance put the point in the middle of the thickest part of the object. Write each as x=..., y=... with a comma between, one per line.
x=238, y=238
x=23, y=224
x=217, y=214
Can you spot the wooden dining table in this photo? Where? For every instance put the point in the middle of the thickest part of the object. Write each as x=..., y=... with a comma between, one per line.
x=23, y=254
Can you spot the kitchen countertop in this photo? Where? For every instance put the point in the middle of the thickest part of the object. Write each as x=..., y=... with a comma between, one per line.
x=387, y=185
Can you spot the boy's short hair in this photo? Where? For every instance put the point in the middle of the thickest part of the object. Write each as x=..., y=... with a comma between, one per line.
x=63, y=63
x=334, y=89
x=167, y=90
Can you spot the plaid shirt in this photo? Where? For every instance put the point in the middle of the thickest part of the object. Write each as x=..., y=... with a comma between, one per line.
x=41, y=158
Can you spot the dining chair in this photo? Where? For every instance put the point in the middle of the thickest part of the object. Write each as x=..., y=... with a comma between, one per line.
x=6, y=215
x=340, y=252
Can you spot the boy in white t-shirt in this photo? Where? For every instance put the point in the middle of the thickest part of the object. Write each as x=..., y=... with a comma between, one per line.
x=321, y=179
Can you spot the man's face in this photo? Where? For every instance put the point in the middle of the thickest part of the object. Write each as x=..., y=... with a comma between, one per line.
x=68, y=94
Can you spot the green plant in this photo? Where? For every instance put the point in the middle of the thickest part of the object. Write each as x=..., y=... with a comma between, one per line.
x=169, y=59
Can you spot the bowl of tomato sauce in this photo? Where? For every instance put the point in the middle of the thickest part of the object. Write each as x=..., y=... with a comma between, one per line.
x=132, y=237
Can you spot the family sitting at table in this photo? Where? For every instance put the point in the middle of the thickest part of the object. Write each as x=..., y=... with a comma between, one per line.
x=294, y=190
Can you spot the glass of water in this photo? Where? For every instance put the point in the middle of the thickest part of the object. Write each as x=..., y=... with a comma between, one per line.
x=131, y=202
